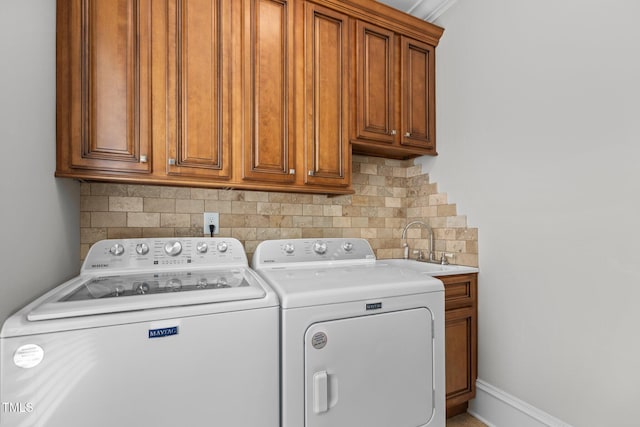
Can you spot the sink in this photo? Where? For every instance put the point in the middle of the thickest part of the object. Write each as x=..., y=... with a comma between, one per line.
x=430, y=269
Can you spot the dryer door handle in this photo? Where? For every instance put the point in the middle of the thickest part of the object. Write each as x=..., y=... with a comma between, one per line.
x=320, y=392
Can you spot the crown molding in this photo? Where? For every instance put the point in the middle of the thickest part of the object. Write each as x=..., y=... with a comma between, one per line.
x=430, y=10
x=427, y=10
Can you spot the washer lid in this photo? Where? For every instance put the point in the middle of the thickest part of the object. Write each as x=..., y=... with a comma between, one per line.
x=330, y=284
x=130, y=292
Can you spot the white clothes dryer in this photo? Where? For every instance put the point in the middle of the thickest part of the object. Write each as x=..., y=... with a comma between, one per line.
x=153, y=332
x=362, y=339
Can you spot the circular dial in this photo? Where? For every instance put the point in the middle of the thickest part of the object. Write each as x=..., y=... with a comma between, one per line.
x=173, y=248
x=141, y=288
x=320, y=247
x=142, y=248
x=174, y=284
x=347, y=246
x=116, y=249
x=202, y=247
x=289, y=248
x=222, y=246
x=221, y=282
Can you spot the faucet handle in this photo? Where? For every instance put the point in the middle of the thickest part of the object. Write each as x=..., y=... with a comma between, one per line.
x=444, y=258
x=419, y=253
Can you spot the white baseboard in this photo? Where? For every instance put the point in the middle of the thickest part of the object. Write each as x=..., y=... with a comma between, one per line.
x=496, y=408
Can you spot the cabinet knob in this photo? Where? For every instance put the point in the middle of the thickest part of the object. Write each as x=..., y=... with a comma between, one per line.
x=172, y=162
x=311, y=173
x=393, y=132
x=143, y=159
x=292, y=171
x=407, y=134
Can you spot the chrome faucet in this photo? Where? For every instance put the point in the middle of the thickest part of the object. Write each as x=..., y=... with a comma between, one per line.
x=405, y=245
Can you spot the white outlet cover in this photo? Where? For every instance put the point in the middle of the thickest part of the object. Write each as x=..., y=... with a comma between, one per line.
x=211, y=218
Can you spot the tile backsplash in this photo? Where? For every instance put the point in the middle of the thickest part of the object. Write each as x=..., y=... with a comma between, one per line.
x=388, y=194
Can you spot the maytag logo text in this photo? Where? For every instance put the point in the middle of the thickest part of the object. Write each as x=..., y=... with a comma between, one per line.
x=163, y=332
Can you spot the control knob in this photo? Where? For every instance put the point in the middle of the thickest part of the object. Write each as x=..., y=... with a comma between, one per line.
x=289, y=248
x=173, y=248
x=221, y=282
x=202, y=247
x=223, y=246
x=142, y=248
x=174, y=284
x=320, y=247
x=347, y=246
x=141, y=288
x=116, y=249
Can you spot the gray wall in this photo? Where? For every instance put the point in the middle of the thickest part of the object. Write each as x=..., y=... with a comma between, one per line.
x=39, y=218
x=539, y=140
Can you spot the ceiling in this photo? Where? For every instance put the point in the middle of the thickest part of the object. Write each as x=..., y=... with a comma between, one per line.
x=428, y=10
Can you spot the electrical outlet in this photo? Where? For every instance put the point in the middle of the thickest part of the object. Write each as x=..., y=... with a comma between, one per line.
x=211, y=218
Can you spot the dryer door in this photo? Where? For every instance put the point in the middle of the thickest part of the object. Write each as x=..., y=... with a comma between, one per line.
x=374, y=371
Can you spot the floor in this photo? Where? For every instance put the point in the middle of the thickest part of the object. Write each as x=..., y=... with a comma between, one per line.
x=464, y=420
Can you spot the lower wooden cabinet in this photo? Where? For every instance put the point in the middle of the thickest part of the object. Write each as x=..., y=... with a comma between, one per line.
x=461, y=330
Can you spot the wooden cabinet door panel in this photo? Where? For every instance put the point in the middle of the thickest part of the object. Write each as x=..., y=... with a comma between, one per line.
x=418, y=94
x=327, y=69
x=459, y=352
x=199, y=135
x=461, y=335
x=268, y=60
x=375, y=91
x=106, y=91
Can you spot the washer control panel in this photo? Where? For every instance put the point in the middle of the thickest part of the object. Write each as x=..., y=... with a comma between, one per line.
x=163, y=252
x=275, y=252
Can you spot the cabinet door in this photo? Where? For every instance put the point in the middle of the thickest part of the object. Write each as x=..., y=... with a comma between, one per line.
x=460, y=354
x=268, y=64
x=198, y=119
x=327, y=70
x=418, y=94
x=103, y=83
x=375, y=115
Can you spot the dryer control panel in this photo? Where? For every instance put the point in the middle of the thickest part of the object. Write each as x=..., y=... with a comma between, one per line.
x=287, y=251
x=138, y=254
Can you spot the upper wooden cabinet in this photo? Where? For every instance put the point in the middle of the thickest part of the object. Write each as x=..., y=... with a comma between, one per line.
x=198, y=89
x=255, y=94
x=376, y=68
x=268, y=79
x=103, y=87
x=327, y=69
x=417, y=87
x=395, y=94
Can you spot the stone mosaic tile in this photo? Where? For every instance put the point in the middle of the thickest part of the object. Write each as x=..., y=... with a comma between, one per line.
x=388, y=194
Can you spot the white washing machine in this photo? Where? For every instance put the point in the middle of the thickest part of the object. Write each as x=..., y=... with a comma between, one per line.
x=362, y=340
x=154, y=332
